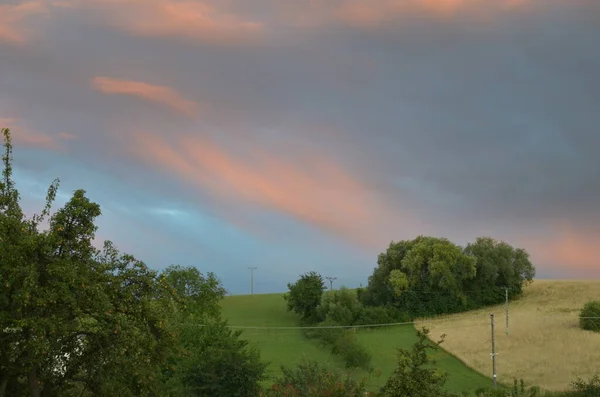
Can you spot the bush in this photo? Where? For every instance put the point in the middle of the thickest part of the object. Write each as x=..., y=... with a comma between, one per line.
x=309, y=379
x=342, y=342
x=518, y=390
x=590, y=388
x=415, y=374
x=340, y=306
x=590, y=316
x=305, y=296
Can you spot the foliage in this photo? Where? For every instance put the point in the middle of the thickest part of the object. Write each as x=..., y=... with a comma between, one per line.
x=309, y=379
x=305, y=296
x=379, y=291
x=198, y=294
x=340, y=307
x=216, y=362
x=591, y=388
x=342, y=342
x=589, y=316
x=499, y=265
x=75, y=320
x=415, y=375
x=429, y=276
x=518, y=390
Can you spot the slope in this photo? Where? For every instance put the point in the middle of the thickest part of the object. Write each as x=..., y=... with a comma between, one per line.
x=544, y=345
x=288, y=346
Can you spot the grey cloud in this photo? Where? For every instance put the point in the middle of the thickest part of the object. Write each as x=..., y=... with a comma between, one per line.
x=482, y=121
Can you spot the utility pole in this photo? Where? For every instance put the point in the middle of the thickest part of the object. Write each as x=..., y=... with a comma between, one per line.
x=331, y=279
x=252, y=269
x=493, y=351
x=506, y=294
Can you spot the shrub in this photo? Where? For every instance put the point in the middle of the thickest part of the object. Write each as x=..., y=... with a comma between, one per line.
x=354, y=355
x=305, y=296
x=342, y=342
x=590, y=388
x=309, y=379
x=518, y=390
x=590, y=316
x=340, y=306
x=415, y=374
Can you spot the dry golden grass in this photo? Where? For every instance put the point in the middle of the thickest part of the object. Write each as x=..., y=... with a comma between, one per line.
x=545, y=345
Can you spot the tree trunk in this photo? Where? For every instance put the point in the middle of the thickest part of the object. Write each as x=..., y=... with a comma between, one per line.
x=34, y=386
x=3, y=384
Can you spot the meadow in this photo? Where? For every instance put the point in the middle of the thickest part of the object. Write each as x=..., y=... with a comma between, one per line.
x=544, y=345
x=281, y=346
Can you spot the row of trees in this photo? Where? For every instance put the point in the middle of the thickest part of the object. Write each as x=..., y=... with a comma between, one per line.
x=413, y=278
x=416, y=278
x=80, y=321
x=429, y=275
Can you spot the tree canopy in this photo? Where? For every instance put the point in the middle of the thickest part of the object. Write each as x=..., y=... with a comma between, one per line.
x=430, y=275
x=78, y=320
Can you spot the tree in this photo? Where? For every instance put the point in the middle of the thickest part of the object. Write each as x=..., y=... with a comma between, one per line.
x=499, y=265
x=73, y=319
x=304, y=296
x=212, y=359
x=379, y=290
x=424, y=276
x=340, y=307
x=199, y=294
x=217, y=362
x=415, y=375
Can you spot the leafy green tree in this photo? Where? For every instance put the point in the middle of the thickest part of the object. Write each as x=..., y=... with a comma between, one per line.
x=197, y=295
x=73, y=319
x=218, y=362
x=430, y=278
x=304, y=296
x=499, y=265
x=212, y=360
x=415, y=374
x=340, y=306
x=379, y=290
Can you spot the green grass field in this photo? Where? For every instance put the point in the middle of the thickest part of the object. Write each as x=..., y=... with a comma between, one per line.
x=288, y=346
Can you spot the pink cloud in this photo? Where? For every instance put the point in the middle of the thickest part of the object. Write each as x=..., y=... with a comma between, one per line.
x=366, y=13
x=163, y=95
x=196, y=20
x=318, y=192
x=567, y=246
x=14, y=20
x=26, y=137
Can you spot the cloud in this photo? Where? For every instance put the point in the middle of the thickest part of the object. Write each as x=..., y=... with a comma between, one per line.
x=14, y=20
x=24, y=136
x=318, y=192
x=568, y=248
x=196, y=20
x=150, y=92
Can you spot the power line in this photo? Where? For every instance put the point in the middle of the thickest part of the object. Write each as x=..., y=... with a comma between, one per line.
x=417, y=322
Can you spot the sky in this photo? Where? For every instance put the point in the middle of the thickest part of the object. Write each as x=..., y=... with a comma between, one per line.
x=306, y=135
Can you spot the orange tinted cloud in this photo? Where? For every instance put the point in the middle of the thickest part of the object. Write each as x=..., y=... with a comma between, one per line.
x=150, y=92
x=375, y=12
x=13, y=20
x=319, y=192
x=568, y=247
x=26, y=137
x=191, y=19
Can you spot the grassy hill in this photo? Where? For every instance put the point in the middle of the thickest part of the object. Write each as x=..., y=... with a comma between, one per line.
x=288, y=346
x=544, y=346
